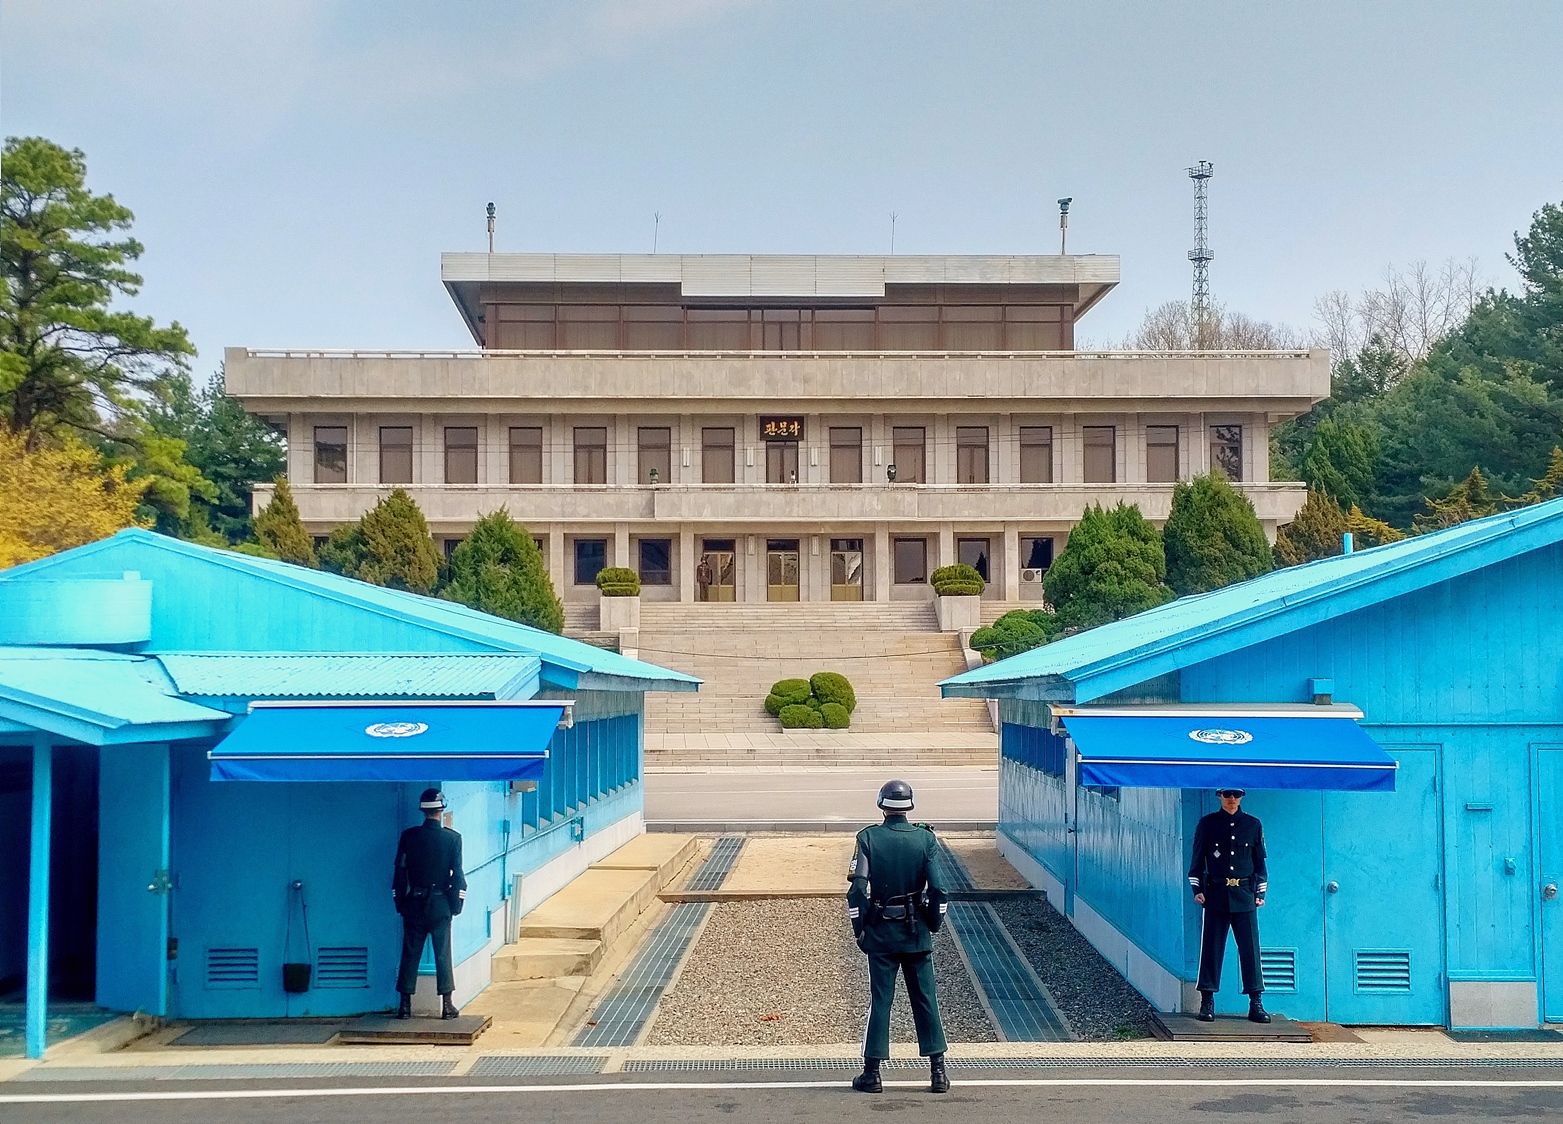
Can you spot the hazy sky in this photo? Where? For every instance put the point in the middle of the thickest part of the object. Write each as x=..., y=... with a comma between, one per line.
x=296, y=168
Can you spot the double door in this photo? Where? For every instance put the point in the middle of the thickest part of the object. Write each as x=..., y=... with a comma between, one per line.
x=715, y=573
x=783, y=563
x=846, y=569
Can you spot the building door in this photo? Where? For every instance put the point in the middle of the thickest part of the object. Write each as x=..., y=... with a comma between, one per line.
x=714, y=573
x=973, y=553
x=846, y=569
x=133, y=880
x=781, y=462
x=1383, y=934
x=781, y=570
x=1549, y=773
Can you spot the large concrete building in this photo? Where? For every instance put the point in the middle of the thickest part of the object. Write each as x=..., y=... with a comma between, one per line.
x=776, y=428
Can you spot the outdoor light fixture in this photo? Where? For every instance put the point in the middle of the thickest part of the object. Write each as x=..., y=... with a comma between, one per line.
x=890, y=473
x=654, y=476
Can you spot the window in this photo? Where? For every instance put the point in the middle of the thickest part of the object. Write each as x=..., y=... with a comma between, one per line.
x=461, y=454
x=526, y=454
x=450, y=546
x=911, y=561
x=716, y=456
x=331, y=454
x=908, y=327
x=656, y=562
x=973, y=553
x=780, y=329
x=718, y=329
x=1101, y=454
x=1036, y=454
x=909, y=451
x=655, y=454
x=1036, y=553
x=846, y=454
x=591, y=454
x=1033, y=328
x=396, y=454
x=1161, y=453
x=653, y=327
x=591, y=555
x=589, y=327
x=971, y=454
x=781, y=462
x=971, y=328
x=843, y=329
x=1226, y=450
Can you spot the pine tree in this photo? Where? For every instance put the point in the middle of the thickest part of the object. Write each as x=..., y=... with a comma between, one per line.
x=1469, y=499
x=1112, y=567
x=1550, y=484
x=498, y=569
x=1315, y=532
x=1367, y=531
x=1212, y=537
x=389, y=546
x=280, y=530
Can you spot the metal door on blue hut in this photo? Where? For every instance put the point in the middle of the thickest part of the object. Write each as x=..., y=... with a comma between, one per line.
x=1549, y=771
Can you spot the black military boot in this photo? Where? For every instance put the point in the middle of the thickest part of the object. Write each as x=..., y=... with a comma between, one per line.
x=868, y=1081
x=404, y=1009
x=1207, y=1007
x=938, y=1076
x=1256, y=1010
x=447, y=1008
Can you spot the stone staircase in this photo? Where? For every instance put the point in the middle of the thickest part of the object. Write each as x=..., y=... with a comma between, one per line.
x=892, y=652
x=581, y=623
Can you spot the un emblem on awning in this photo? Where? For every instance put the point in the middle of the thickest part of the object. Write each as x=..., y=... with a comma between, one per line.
x=396, y=729
x=1222, y=737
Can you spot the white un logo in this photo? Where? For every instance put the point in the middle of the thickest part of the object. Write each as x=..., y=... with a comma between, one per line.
x=1222, y=737
x=395, y=729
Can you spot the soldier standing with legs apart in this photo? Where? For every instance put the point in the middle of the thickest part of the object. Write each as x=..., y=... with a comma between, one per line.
x=896, y=904
x=429, y=889
x=1229, y=879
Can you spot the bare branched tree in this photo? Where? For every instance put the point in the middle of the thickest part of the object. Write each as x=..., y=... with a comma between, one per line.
x=1414, y=309
x=1171, y=327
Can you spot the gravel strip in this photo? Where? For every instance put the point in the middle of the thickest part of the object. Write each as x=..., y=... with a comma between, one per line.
x=787, y=973
x=1098, y=1002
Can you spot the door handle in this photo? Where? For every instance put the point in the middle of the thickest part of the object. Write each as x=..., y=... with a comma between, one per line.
x=1549, y=891
x=1332, y=887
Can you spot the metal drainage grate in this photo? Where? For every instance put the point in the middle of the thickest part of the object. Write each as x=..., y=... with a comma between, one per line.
x=718, y=865
x=623, y=1013
x=954, y=871
x=500, y=1065
x=238, y=1072
x=1015, y=996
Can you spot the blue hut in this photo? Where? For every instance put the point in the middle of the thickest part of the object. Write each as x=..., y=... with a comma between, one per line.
x=224, y=749
x=1396, y=715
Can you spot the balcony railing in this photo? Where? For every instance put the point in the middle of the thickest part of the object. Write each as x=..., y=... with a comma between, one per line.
x=619, y=353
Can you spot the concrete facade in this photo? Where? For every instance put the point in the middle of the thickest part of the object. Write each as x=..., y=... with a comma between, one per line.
x=976, y=409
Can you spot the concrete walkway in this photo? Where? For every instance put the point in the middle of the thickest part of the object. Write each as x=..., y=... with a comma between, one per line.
x=751, y=797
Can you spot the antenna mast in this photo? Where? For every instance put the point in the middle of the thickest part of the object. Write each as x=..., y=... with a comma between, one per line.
x=1200, y=255
x=1063, y=225
x=491, y=228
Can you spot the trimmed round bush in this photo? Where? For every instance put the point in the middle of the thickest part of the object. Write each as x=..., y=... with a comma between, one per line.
x=799, y=716
x=959, y=580
x=618, y=581
x=833, y=687
x=836, y=716
x=786, y=692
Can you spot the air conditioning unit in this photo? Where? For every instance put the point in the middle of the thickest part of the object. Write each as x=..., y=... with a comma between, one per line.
x=1031, y=577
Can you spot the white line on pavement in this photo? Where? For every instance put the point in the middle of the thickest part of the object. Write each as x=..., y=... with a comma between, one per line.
x=448, y=1090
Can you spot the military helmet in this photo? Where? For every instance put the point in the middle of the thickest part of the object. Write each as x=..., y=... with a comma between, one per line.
x=896, y=796
x=432, y=800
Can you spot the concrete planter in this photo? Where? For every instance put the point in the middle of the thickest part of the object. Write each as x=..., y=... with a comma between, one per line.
x=956, y=613
x=615, y=614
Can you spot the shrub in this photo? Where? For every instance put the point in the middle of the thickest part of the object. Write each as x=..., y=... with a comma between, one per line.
x=836, y=716
x=389, y=546
x=498, y=569
x=959, y=580
x=618, y=581
x=786, y=692
x=280, y=532
x=1018, y=630
x=1112, y=567
x=799, y=716
x=1212, y=537
x=1315, y=533
x=833, y=687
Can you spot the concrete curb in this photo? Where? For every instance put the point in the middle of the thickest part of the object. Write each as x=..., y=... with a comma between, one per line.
x=806, y=827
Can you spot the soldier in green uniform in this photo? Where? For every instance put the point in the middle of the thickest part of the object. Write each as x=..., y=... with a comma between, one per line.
x=896, y=904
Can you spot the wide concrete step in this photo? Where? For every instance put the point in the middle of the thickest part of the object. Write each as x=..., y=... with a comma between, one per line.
x=544, y=958
x=665, y=855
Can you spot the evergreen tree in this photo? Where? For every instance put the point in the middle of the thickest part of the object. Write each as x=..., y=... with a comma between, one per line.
x=1367, y=531
x=1467, y=500
x=498, y=569
x=1549, y=486
x=1340, y=458
x=1212, y=537
x=343, y=551
x=1315, y=533
x=280, y=530
x=1111, y=568
x=389, y=546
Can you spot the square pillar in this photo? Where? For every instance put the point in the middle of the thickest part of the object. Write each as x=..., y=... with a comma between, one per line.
x=1011, y=575
x=946, y=555
x=881, y=562
x=38, y=900
x=687, y=561
x=621, y=546
x=556, y=561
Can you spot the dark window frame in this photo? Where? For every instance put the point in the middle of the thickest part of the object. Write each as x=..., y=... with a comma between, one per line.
x=921, y=546
x=453, y=451
x=387, y=477
x=716, y=450
x=1226, y=450
x=1087, y=433
x=967, y=459
x=525, y=449
x=850, y=451
x=903, y=470
x=330, y=472
x=650, y=454
x=582, y=551
x=1156, y=439
x=654, y=574
x=594, y=455
x=1030, y=439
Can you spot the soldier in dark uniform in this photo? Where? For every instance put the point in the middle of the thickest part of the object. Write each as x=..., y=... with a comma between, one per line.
x=896, y=903
x=1228, y=877
x=429, y=889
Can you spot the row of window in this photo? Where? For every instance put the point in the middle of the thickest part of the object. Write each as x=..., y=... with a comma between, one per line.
x=718, y=454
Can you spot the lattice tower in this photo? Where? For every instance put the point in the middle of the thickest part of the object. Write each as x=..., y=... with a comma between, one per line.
x=1201, y=255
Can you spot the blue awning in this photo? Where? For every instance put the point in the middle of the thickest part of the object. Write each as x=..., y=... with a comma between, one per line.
x=1319, y=751
x=387, y=741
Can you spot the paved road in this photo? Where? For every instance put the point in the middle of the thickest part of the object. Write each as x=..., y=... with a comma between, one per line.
x=828, y=795
x=1091, y=1097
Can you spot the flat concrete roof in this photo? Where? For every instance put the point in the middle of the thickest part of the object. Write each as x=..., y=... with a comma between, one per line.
x=780, y=276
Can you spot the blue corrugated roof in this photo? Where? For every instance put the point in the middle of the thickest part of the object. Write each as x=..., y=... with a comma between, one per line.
x=604, y=669
x=346, y=675
x=1192, y=629
x=97, y=697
